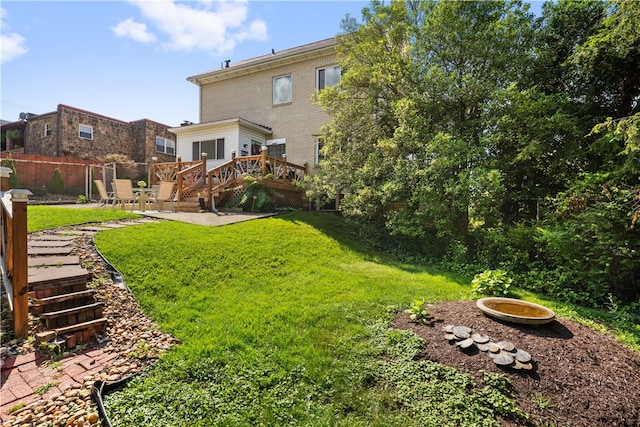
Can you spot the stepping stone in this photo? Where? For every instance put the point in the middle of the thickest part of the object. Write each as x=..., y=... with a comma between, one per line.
x=53, y=260
x=52, y=275
x=66, y=250
x=49, y=243
x=54, y=237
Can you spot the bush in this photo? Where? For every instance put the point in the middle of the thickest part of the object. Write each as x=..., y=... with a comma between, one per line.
x=56, y=185
x=13, y=177
x=256, y=196
x=492, y=283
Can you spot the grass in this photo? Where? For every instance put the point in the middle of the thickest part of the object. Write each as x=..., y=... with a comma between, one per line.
x=46, y=387
x=46, y=217
x=285, y=321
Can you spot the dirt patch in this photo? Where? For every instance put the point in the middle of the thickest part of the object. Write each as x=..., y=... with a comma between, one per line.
x=580, y=376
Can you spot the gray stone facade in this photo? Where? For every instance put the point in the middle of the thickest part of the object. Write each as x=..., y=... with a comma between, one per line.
x=70, y=131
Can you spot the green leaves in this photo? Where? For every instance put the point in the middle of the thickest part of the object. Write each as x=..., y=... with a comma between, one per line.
x=491, y=282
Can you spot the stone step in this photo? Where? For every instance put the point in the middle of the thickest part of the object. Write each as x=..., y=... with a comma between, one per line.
x=55, y=237
x=48, y=243
x=71, y=316
x=61, y=302
x=39, y=277
x=53, y=261
x=74, y=334
x=81, y=332
x=35, y=251
x=188, y=205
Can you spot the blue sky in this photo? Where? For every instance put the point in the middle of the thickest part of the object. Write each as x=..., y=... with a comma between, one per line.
x=130, y=59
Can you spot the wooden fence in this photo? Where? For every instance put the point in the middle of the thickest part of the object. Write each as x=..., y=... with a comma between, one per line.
x=35, y=171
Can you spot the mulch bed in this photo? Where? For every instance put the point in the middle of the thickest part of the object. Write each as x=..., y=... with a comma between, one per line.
x=588, y=378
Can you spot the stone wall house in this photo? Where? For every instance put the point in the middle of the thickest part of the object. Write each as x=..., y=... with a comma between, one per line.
x=268, y=100
x=70, y=131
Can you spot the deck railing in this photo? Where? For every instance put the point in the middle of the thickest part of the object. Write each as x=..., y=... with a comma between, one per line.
x=13, y=257
x=232, y=173
x=192, y=177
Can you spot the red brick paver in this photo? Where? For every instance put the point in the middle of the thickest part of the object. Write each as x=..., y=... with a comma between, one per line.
x=23, y=375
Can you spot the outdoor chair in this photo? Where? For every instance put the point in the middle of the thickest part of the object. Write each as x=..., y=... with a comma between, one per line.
x=105, y=197
x=165, y=195
x=123, y=193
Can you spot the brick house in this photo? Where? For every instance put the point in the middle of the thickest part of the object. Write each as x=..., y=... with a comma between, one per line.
x=263, y=101
x=70, y=131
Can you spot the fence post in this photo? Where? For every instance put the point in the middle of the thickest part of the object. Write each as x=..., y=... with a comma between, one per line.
x=19, y=277
x=284, y=169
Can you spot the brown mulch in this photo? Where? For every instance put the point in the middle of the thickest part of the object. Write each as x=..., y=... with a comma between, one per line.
x=588, y=378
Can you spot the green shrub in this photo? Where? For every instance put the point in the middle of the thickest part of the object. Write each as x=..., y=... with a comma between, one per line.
x=491, y=282
x=256, y=197
x=418, y=311
x=56, y=185
x=13, y=177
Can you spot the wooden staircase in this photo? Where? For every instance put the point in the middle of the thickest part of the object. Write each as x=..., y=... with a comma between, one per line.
x=58, y=292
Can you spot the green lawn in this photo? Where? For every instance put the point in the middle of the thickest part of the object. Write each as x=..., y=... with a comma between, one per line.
x=40, y=217
x=284, y=321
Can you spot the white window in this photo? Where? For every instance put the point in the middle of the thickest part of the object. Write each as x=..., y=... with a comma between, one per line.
x=164, y=145
x=85, y=132
x=282, y=90
x=327, y=76
x=47, y=129
x=213, y=147
x=318, y=148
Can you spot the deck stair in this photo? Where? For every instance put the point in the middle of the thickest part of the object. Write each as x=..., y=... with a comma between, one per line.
x=58, y=292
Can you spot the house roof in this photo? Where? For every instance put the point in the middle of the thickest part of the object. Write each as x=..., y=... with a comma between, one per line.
x=265, y=62
x=69, y=107
x=202, y=126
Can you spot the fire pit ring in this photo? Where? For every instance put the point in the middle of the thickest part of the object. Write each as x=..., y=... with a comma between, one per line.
x=515, y=310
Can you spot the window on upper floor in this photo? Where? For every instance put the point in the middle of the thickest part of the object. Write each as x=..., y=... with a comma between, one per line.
x=85, y=132
x=327, y=76
x=213, y=147
x=164, y=145
x=47, y=129
x=282, y=90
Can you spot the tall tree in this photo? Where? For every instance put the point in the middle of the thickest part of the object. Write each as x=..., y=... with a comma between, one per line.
x=407, y=138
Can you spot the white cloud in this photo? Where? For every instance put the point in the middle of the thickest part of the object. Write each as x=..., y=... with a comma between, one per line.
x=135, y=30
x=12, y=44
x=216, y=27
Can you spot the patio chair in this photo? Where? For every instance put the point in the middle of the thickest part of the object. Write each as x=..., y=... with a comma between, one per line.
x=165, y=195
x=123, y=193
x=105, y=196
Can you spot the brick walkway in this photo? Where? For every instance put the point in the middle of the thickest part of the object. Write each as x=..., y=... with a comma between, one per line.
x=25, y=375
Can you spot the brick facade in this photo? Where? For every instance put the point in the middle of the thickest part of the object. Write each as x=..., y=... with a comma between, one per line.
x=57, y=134
x=245, y=90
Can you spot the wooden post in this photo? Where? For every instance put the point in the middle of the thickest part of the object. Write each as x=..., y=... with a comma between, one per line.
x=17, y=204
x=203, y=156
x=233, y=164
x=284, y=168
x=152, y=172
x=264, y=161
